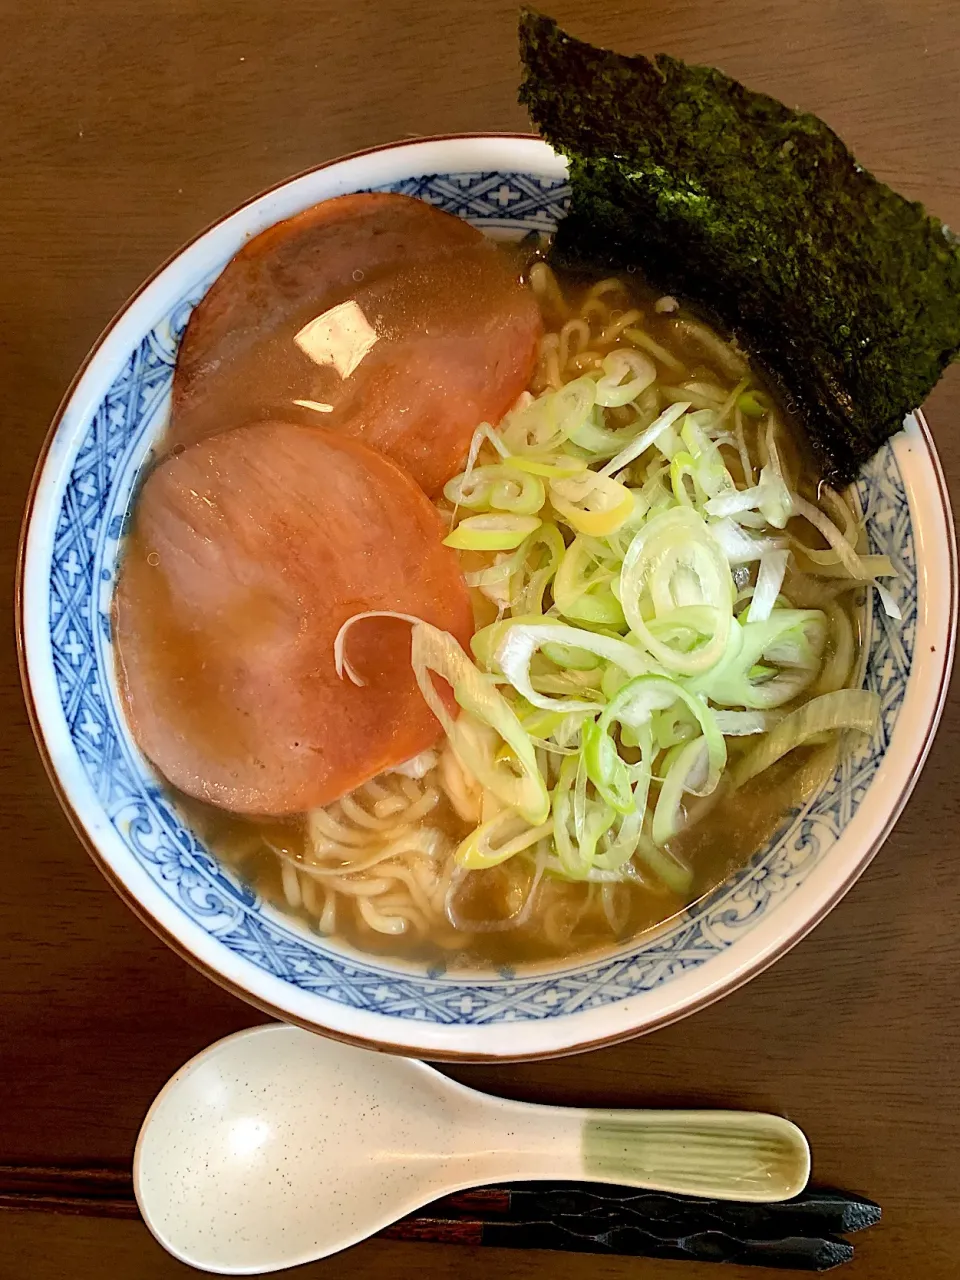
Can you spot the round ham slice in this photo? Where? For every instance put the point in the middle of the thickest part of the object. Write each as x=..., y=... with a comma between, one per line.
x=249, y=551
x=460, y=346
x=454, y=332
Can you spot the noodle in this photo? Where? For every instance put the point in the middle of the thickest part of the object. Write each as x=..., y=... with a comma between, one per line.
x=574, y=337
x=615, y=327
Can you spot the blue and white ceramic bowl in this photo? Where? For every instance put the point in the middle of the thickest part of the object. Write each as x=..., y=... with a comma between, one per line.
x=507, y=185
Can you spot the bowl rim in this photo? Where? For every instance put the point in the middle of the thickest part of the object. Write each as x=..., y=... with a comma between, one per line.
x=739, y=977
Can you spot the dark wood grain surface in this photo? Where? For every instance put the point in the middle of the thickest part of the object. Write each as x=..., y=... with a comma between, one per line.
x=126, y=126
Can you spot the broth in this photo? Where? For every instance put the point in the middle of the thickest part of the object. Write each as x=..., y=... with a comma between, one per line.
x=606, y=836
x=355, y=899
x=569, y=920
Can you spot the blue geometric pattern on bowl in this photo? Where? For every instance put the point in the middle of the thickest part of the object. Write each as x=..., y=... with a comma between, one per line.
x=89, y=528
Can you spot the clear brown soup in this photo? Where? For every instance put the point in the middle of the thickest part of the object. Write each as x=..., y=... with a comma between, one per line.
x=566, y=918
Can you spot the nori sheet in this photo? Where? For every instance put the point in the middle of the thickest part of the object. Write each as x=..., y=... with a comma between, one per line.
x=843, y=292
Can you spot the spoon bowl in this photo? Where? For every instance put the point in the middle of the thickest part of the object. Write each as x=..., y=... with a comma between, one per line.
x=275, y=1147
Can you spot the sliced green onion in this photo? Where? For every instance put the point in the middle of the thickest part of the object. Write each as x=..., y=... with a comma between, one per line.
x=824, y=564
x=596, y=440
x=541, y=724
x=592, y=503
x=840, y=511
x=859, y=568
x=484, y=432
x=676, y=874
x=496, y=487
x=487, y=723
x=770, y=497
x=517, y=783
x=710, y=472
x=623, y=786
x=687, y=772
x=844, y=709
x=491, y=532
x=551, y=466
x=485, y=642
x=824, y=525
x=582, y=588
x=841, y=654
x=641, y=443
x=576, y=848
x=658, y=640
x=518, y=581
x=890, y=606
x=794, y=639
x=740, y=724
x=494, y=581
x=571, y=657
x=498, y=840
x=534, y=566
x=674, y=725
x=752, y=405
x=625, y=375
x=681, y=466
x=675, y=561
x=585, y=684
x=545, y=423
x=740, y=439
x=633, y=707
x=740, y=547
x=773, y=568
x=521, y=641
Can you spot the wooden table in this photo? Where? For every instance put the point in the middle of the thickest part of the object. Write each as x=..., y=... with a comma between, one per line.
x=126, y=126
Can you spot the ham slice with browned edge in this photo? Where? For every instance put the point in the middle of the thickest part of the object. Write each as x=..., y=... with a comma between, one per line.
x=454, y=333
x=249, y=551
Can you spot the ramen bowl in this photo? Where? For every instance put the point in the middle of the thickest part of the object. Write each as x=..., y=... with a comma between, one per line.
x=115, y=412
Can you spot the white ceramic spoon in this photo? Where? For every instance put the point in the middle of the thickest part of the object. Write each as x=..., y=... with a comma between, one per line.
x=275, y=1147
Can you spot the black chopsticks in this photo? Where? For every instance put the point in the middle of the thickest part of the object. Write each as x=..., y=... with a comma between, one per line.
x=576, y=1217
x=801, y=1234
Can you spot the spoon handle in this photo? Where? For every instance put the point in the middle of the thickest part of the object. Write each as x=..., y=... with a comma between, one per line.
x=725, y=1155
